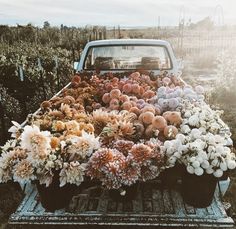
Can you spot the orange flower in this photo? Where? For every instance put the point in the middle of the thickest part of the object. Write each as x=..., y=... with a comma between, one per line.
x=59, y=126
x=54, y=142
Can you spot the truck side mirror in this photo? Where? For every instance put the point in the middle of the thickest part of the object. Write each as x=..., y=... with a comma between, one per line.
x=76, y=65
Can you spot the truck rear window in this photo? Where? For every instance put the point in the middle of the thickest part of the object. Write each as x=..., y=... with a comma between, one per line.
x=127, y=57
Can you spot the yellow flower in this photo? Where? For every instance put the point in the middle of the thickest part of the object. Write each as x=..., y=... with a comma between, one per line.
x=58, y=126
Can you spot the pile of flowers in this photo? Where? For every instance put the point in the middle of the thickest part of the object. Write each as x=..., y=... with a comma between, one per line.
x=203, y=144
x=120, y=129
x=37, y=155
x=125, y=163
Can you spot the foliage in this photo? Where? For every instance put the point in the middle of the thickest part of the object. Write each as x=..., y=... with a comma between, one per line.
x=224, y=88
x=22, y=95
x=223, y=93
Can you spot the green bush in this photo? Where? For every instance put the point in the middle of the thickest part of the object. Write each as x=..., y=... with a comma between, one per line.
x=21, y=96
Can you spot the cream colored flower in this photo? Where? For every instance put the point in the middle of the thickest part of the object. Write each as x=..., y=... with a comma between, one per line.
x=35, y=141
x=73, y=128
x=58, y=126
x=84, y=145
x=72, y=173
x=23, y=172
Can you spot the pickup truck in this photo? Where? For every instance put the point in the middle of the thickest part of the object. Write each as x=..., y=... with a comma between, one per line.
x=164, y=209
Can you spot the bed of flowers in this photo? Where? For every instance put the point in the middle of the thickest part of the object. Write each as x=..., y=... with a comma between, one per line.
x=119, y=129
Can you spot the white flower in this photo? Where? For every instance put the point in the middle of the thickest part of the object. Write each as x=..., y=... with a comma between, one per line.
x=211, y=140
x=205, y=164
x=177, y=155
x=218, y=173
x=36, y=141
x=185, y=129
x=192, y=159
x=211, y=149
x=231, y=164
x=180, y=137
x=196, y=109
x=187, y=114
x=167, y=144
x=193, y=120
x=72, y=173
x=170, y=151
x=223, y=166
x=202, y=144
x=214, y=162
x=202, y=129
x=209, y=170
x=227, y=150
x=52, y=157
x=214, y=127
x=84, y=145
x=199, y=159
x=195, y=133
x=195, y=146
x=219, y=149
x=196, y=164
x=190, y=169
x=172, y=160
x=219, y=139
x=198, y=171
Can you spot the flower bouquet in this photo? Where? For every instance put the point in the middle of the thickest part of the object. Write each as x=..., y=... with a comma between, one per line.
x=123, y=165
x=55, y=160
x=203, y=147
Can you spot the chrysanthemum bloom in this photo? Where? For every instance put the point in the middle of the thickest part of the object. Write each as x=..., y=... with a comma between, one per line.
x=99, y=159
x=23, y=171
x=107, y=165
x=82, y=146
x=131, y=173
x=58, y=126
x=87, y=127
x=72, y=173
x=73, y=128
x=117, y=130
x=55, y=142
x=65, y=109
x=123, y=146
x=36, y=141
x=45, y=176
x=141, y=153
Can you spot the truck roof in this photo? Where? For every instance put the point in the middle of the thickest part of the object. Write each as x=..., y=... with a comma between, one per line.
x=128, y=41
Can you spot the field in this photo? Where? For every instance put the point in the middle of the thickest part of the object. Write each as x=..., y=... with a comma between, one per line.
x=34, y=67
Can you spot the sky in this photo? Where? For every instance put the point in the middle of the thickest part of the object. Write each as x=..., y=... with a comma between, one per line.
x=115, y=12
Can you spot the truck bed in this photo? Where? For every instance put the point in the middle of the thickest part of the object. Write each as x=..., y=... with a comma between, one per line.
x=153, y=206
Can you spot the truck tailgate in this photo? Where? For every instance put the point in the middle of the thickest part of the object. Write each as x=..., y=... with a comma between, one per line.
x=153, y=206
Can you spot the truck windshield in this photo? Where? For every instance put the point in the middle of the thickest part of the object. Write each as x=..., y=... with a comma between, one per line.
x=127, y=57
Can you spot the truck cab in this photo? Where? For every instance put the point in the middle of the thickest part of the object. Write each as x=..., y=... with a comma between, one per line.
x=120, y=55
